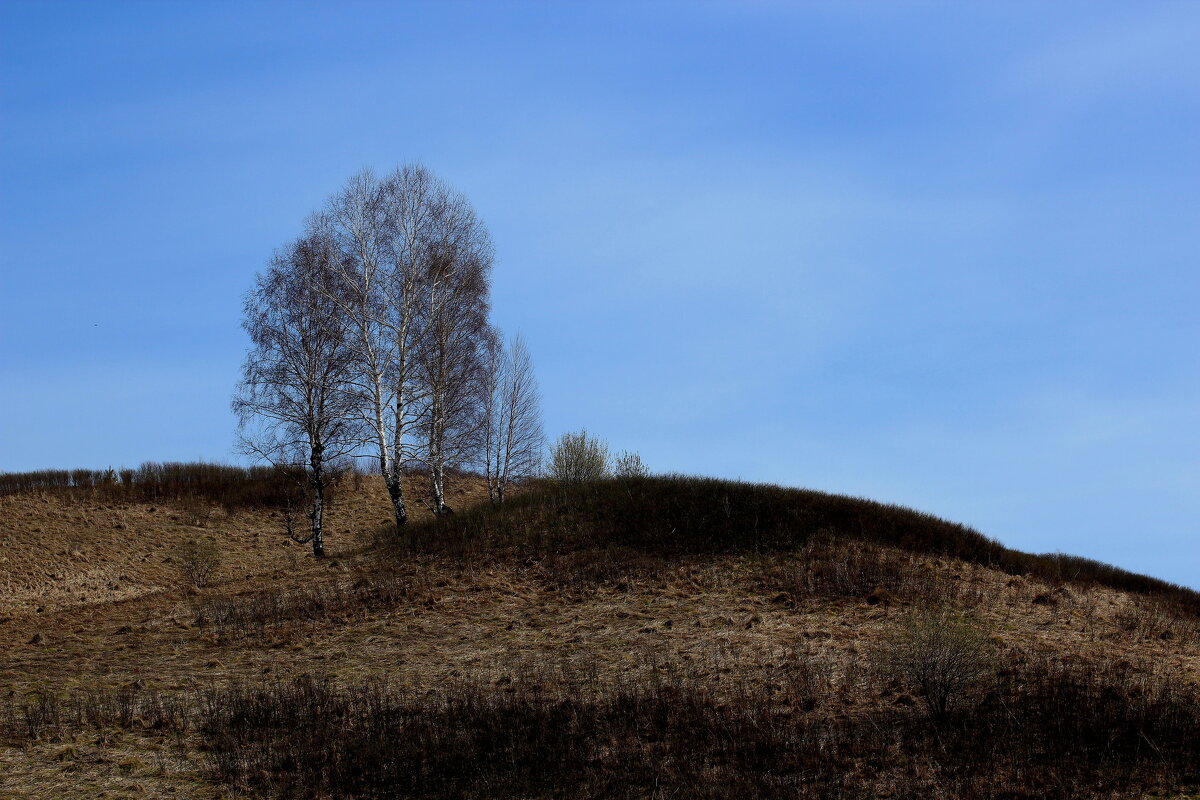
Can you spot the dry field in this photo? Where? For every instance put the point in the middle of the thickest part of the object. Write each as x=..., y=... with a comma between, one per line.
x=90, y=600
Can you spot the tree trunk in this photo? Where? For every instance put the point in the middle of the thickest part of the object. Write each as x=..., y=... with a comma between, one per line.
x=437, y=475
x=487, y=468
x=317, y=516
x=389, y=468
x=396, y=486
x=396, y=492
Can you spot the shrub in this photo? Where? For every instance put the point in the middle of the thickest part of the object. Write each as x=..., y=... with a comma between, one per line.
x=255, y=613
x=1074, y=730
x=942, y=657
x=628, y=464
x=1070, y=731
x=578, y=458
x=197, y=561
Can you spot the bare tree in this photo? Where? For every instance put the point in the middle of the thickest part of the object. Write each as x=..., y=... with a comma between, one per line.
x=294, y=402
x=513, y=433
x=455, y=340
x=381, y=228
x=409, y=282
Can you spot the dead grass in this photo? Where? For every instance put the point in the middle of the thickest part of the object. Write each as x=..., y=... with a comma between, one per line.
x=517, y=622
x=65, y=551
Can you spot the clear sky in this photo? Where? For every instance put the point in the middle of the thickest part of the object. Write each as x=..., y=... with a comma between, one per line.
x=937, y=254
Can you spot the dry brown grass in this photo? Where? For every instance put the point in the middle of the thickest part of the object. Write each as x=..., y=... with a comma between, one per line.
x=90, y=601
x=65, y=551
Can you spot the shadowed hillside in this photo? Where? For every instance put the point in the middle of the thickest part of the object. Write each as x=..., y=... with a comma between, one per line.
x=684, y=515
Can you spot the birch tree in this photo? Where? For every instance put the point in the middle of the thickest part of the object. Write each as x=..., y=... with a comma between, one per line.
x=513, y=433
x=456, y=332
x=410, y=279
x=381, y=228
x=295, y=402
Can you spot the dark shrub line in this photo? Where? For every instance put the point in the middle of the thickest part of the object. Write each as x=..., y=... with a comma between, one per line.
x=232, y=487
x=1046, y=729
x=1038, y=728
x=257, y=613
x=44, y=714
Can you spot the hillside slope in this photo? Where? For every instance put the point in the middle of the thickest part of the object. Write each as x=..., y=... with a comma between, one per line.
x=60, y=550
x=752, y=616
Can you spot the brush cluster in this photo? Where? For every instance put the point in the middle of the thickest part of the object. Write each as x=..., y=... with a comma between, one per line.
x=1041, y=728
x=225, y=485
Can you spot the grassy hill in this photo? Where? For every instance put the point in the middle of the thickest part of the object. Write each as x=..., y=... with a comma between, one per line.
x=661, y=637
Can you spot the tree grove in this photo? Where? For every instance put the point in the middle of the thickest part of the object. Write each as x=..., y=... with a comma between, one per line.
x=371, y=337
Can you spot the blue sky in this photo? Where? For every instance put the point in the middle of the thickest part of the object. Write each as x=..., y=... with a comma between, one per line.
x=937, y=254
